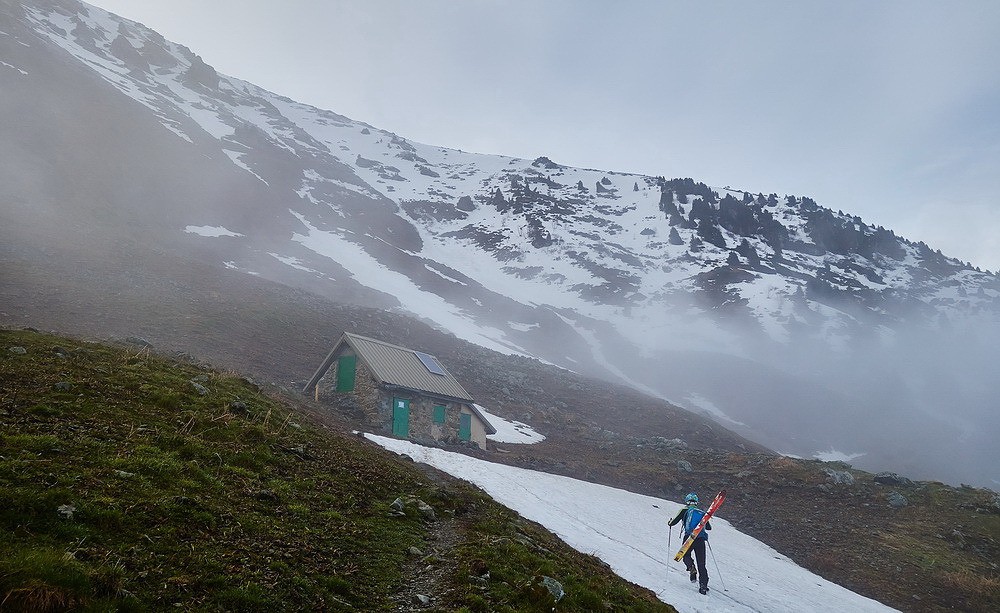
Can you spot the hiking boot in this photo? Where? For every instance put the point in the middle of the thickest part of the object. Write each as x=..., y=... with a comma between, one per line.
x=694, y=574
x=703, y=589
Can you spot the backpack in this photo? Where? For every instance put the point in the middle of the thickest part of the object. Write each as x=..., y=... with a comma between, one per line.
x=691, y=520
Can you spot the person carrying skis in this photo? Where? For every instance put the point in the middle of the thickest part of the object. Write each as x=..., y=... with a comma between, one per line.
x=691, y=515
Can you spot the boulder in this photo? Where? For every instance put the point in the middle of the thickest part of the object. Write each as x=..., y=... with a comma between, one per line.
x=839, y=477
x=887, y=478
x=897, y=500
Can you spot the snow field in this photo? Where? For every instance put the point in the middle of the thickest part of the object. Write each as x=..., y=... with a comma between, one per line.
x=629, y=532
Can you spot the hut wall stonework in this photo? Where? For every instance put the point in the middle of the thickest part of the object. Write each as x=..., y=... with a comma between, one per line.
x=377, y=405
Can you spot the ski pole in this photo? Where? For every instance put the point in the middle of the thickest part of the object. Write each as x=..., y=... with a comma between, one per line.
x=717, y=571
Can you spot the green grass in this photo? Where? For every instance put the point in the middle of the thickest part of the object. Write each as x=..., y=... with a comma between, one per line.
x=130, y=491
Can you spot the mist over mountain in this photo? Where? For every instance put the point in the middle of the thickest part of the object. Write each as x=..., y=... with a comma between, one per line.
x=798, y=326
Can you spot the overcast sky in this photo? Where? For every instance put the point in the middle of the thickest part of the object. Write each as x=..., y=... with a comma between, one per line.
x=885, y=109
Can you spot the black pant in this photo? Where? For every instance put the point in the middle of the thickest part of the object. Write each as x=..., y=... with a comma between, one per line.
x=698, y=549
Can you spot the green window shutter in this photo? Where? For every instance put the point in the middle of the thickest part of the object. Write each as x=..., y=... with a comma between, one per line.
x=346, y=367
x=439, y=414
x=465, y=427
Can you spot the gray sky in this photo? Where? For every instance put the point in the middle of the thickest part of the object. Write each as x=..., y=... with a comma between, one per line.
x=885, y=109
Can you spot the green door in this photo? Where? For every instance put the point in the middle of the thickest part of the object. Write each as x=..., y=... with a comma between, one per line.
x=465, y=427
x=346, y=366
x=401, y=417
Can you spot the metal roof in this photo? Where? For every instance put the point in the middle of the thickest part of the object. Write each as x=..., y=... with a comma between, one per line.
x=395, y=365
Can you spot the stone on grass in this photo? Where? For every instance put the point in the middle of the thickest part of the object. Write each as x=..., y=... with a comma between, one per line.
x=685, y=466
x=18, y=350
x=887, y=478
x=839, y=477
x=897, y=500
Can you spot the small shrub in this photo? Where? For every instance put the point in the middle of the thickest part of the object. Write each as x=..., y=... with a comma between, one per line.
x=42, y=580
x=108, y=580
x=45, y=410
x=249, y=598
x=32, y=443
x=338, y=586
x=166, y=399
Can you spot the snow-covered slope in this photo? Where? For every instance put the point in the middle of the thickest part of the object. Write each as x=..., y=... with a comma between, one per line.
x=607, y=273
x=629, y=532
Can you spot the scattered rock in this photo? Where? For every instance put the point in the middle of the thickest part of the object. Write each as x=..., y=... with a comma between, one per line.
x=137, y=340
x=672, y=443
x=63, y=386
x=743, y=474
x=398, y=507
x=198, y=387
x=239, y=407
x=66, y=510
x=123, y=474
x=546, y=590
x=426, y=510
x=839, y=477
x=897, y=500
x=959, y=538
x=887, y=478
x=685, y=466
x=421, y=599
x=300, y=452
x=18, y=350
x=414, y=551
x=201, y=379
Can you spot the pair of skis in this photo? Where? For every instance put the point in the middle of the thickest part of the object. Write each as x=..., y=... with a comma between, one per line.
x=712, y=508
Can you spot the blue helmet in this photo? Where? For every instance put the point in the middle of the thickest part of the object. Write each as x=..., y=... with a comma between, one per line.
x=691, y=498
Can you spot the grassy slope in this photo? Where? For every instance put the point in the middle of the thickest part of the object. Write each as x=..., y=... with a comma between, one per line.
x=280, y=334
x=232, y=501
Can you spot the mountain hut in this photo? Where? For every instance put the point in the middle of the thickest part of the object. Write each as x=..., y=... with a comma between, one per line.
x=402, y=392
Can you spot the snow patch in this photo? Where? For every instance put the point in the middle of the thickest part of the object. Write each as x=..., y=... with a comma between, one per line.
x=211, y=231
x=293, y=262
x=510, y=431
x=521, y=327
x=836, y=456
x=13, y=67
x=368, y=271
x=707, y=406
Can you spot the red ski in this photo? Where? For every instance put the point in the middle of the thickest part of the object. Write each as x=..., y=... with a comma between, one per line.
x=712, y=508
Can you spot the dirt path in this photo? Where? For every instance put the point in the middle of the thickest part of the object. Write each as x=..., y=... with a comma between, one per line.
x=427, y=573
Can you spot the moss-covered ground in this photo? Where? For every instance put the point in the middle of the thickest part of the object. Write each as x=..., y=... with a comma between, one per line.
x=135, y=482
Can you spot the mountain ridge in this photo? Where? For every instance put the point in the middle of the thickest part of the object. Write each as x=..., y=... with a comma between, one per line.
x=596, y=271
